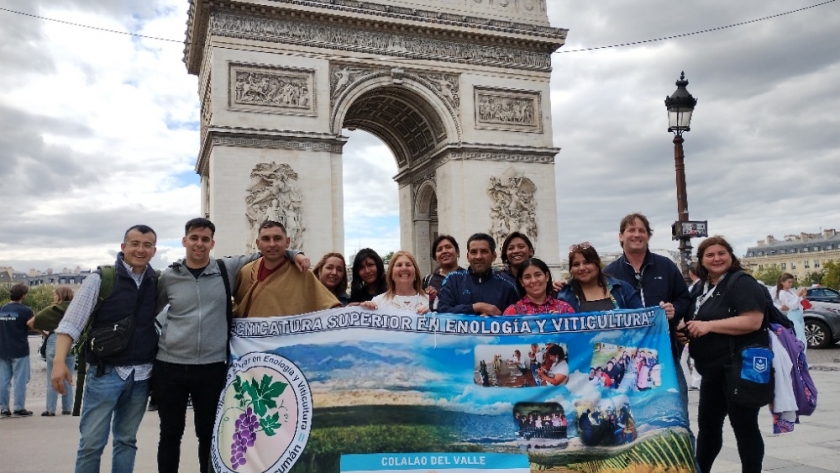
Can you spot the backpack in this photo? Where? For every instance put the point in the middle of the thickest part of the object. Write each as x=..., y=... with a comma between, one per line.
x=804, y=389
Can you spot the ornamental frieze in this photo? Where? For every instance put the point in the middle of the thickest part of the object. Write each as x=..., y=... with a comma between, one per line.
x=295, y=31
x=272, y=89
x=509, y=110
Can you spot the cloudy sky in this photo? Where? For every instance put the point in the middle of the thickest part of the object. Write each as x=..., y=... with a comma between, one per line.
x=99, y=131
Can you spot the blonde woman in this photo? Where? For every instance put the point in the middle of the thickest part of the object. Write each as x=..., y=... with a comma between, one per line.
x=405, y=289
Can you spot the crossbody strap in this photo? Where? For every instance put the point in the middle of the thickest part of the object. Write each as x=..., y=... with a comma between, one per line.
x=228, y=303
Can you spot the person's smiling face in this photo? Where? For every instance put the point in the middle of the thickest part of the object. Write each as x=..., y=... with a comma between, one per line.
x=517, y=251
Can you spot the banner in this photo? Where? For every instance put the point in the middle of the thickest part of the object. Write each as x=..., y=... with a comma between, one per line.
x=350, y=390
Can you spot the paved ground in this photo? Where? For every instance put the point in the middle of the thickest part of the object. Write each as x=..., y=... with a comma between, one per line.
x=39, y=444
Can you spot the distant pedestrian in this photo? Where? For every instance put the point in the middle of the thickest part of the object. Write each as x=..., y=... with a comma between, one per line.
x=14, y=352
x=790, y=304
x=47, y=321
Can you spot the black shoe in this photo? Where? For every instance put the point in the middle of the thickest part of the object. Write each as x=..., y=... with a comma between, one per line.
x=48, y=414
x=5, y=413
x=66, y=413
x=21, y=413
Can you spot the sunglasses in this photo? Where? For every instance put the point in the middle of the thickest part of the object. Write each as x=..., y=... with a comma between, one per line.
x=580, y=246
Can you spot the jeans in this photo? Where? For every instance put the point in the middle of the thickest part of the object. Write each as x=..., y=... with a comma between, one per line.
x=110, y=397
x=714, y=407
x=14, y=371
x=173, y=384
x=52, y=394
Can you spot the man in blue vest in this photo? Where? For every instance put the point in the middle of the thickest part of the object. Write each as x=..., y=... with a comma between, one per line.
x=117, y=386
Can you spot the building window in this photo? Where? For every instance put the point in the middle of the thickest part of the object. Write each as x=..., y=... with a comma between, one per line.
x=760, y=253
x=772, y=252
x=805, y=250
x=760, y=267
x=784, y=251
x=793, y=250
x=793, y=266
x=828, y=247
x=816, y=263
x=751, y=253
x=816, y=248
x=784, y=266
x=807, y=265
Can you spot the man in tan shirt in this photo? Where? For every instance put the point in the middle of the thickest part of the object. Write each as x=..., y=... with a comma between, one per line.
x=269, y=286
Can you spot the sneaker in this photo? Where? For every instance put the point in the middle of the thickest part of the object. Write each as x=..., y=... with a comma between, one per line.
x=5, y=413
x=21, y=413
x=48, y=414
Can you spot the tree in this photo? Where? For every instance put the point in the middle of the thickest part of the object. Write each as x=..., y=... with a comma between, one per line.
x=769, y=276
x=814, y=277
x=831, y=274
x=387, y=258
x=39, y=297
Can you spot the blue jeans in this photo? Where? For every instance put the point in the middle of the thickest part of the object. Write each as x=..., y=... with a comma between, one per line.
x=52, y=394
x=106, y=397
x=13, y=370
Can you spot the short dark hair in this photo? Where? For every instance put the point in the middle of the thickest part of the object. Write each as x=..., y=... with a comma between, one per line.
x=144, y=229
x=199, y=222
x=482, y=237
x=272, y=224
x=702, y=272
x=17, y=292
x=629, y=219
x=509, y=238
x=439, y=239
x=557, y=351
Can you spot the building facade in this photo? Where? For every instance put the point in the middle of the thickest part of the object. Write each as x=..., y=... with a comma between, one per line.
x=798, y=255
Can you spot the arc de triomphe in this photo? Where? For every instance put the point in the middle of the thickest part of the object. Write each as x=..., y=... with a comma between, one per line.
x=458, y=89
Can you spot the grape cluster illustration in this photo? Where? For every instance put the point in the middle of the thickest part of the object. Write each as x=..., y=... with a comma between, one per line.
x=243, y=437
x=255, y=400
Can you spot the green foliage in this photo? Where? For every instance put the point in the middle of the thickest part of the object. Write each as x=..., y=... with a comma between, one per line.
x=769, y=276
x=814, y=277
x=831, y=274
x=38, y=298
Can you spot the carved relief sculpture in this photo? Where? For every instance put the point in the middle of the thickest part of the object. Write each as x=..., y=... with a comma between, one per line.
x=512, y=110
x=342, y=75
x=447, y=87
x=272, y=89
x=513, y=206
x=273, y=194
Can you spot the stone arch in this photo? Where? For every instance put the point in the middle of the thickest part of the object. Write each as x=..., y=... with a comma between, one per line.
x=425, y=221
x=407, y=114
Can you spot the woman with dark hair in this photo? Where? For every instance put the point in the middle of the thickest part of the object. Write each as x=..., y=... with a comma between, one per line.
x=558, y=373
x=790, y=303
x=332, y=272
x=727, y=314
x=515, y=250
x=368, y=277
x=445, y=252
x=46, y=322
x=590, y=290
x=534, y=279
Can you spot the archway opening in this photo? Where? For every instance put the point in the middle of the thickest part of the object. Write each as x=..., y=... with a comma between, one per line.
x=409, y=129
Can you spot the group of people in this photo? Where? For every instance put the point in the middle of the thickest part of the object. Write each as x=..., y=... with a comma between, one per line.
x=605, y=427
x=201, y=294
x=542, y=425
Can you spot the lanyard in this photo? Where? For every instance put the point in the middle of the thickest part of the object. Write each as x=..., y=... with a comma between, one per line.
x=708, y=292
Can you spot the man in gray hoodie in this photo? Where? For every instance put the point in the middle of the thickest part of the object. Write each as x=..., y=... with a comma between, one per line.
x=192, y=351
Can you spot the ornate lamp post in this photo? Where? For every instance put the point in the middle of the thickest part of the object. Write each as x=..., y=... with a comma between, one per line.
x=680, y=107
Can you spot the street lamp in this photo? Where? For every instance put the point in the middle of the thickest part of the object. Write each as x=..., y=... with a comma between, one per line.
x=680, y=107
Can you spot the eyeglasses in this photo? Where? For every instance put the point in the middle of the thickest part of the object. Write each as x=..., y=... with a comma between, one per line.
x=580, y=246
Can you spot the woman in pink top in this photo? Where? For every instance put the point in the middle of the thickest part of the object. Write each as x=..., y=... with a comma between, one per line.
x=535, y=278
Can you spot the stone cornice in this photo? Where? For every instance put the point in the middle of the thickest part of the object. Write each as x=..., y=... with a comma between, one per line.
x=486, y=152
x=544, y=39
x=265, y=139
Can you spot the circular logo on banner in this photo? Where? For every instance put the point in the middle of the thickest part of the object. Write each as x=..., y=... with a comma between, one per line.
x=264, y=416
